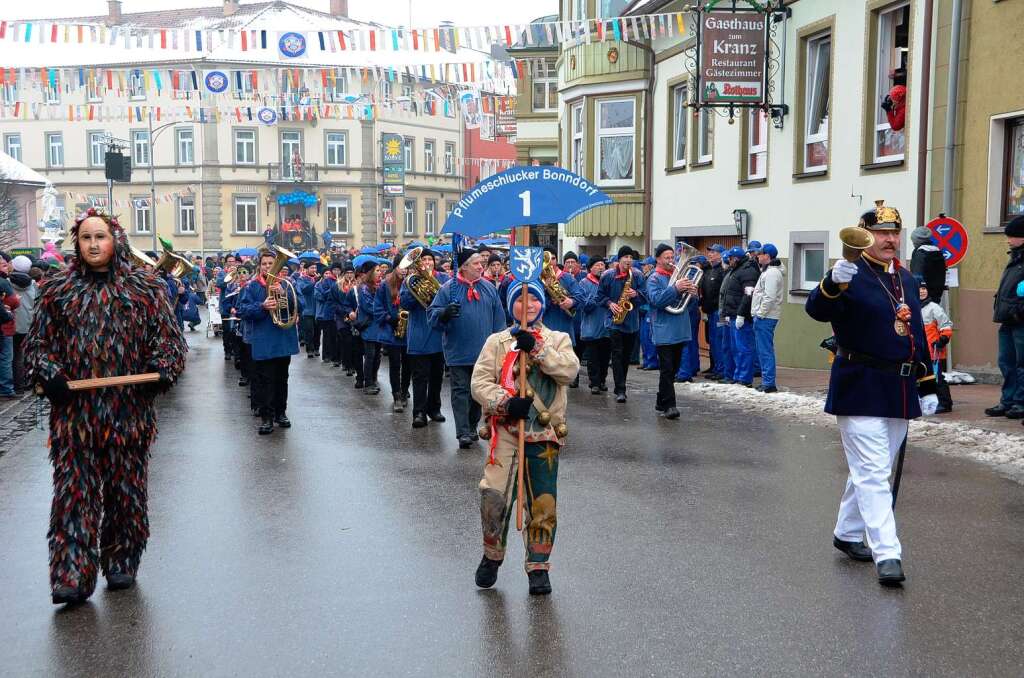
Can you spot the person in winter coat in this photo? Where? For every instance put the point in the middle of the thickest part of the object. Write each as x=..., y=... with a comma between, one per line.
x=737, y=291
x=928, y=262
x=9, y=302
x=938, y=329
x=27, y=292
x=710, y=288
x=1009, y=313
x=766, y=308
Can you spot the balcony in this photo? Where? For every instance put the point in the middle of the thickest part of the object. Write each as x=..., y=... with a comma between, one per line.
x=293, y=172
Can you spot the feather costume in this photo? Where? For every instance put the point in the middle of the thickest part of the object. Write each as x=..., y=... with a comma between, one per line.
x=100, y=324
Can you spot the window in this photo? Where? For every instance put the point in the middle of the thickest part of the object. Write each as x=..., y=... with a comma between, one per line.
x=407, y=147
x=291, y=154
x=545, y=86
x=140, y=147
x=816, y=102
x=388, y=214
x=186, y=215
x=185, y=141
x=579, y=142
x=246, y=215
x=891, y=70
x=12, y=146
x=245, y=146
x=242, y=84
x=385, y=91
x=449, y=158
x=337, y=216
x=429, y=217
x=757, y=144
x=611, y=8
x=337, y=85
x=705, y=135
x=54, y=149
x=679, y=118
x=407, y=90
x=53, y=92
x=336, y=149
x=811, y=258
x=428, y=157
x=93, y=90
x=136, y=85
x=448, y=207
x=10, y=93
x=1013, y=170
x=615, y=131
x=410, y=217
x=579, y=10
x=97, y=149
x=142, y=215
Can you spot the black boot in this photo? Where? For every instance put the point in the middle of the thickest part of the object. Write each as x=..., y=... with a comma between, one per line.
x=267, y=427
x=436, y=416
x=118, y=581
x=69, y=595
x=419, y=420
x=487, y=572
x=540, y=585
x=282, y=421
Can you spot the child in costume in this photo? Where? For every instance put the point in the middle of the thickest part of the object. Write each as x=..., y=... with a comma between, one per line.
x=938, y=328
x=100, y=318
x=552, y=365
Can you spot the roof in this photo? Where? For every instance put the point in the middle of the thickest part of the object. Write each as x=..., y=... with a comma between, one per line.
x=538, y=35
x=15, y=172
x=639, y=7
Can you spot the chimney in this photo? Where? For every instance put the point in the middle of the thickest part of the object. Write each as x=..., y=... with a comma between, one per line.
x=113, y=12
x=339, y=8
x=230, y=7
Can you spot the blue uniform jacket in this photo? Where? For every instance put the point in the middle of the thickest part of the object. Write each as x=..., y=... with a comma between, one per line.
x=422, y=337
x=464, y=336
x=364, y=313
x=609, y=291
x=306, y=288
x=862, y=319
x=592, y=322
x=326, y=303
x=345, y=303
x=267, y=339
x=555, y=318
x=384, y=314
x=665, y=327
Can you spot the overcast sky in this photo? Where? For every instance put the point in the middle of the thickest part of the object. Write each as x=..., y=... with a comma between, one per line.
x=391, y=12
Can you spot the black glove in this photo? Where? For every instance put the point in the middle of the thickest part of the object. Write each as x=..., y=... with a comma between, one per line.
x=943, y=341
x=524, y=340
x=163, y=384
x=56, y=389
x=887, y=104
x=450, y=311
x=518, y=408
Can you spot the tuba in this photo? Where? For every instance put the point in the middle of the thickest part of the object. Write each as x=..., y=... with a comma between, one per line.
x=625, y=305
x=422, y=285
x=139, y=258
x=173, y=263
x=554, y=289
x=684, y=269
x=285, y=313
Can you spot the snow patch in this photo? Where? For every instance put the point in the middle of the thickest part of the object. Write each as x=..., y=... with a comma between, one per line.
x=1000, y=451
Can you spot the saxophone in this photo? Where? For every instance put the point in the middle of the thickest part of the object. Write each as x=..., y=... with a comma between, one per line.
x=403, y=324
x=625, y=305
x=549, y=277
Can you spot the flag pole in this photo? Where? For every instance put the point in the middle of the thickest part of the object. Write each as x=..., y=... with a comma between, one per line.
x=521, y=451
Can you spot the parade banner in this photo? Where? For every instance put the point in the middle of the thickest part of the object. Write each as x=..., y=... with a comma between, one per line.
x=733, y=54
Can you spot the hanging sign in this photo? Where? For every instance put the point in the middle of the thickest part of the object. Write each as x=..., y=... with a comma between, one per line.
x=733, y=55
x=292, y=45
x=394, y=164
x=268, y=116
x=216, y=81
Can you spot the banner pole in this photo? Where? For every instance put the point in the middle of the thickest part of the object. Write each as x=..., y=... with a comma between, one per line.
x=521, y=451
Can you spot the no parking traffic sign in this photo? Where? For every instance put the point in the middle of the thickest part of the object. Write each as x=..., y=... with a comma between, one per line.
x=950, y=236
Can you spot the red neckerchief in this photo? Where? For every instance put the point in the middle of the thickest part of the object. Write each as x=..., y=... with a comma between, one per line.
x=593, y=279
x=472, y=294
x=664, y=272
x=489, y=278
x=620, y=274
x=261, y=279
x=330, y=274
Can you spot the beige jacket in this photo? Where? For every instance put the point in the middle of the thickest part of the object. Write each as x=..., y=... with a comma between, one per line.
x=558, y=367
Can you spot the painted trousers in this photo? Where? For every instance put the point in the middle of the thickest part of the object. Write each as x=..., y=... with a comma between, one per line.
x=98, y=519
x=498, y=497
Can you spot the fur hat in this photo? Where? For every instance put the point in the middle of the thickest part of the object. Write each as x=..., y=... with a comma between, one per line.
x=625, y=251
x=594, y=262
x=464, y=255
x=661, y=249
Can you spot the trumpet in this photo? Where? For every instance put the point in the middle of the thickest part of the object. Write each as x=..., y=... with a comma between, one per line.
x=687, y=271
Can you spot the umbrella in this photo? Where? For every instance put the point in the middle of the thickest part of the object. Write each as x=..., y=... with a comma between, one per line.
x=309, y=255
x=442, y=248
x=294, y=260
x=248, y=252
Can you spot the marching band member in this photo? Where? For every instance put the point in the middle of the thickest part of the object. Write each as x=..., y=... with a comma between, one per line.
x=467, y=310
x=553, y=365
x=561, y=317
x=611, y=292
x=305, y=285
x=593, y=333
x=100, y=318
x=364, y=322
x=326, y=307
x=272, y=346
x=227, y=338
x=344, y=297
x=669, y=332
x=426, y=357
x=880, y=380
x=492, y=273
x=386, y=313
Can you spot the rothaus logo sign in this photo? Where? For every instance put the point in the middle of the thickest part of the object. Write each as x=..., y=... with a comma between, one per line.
x=733, y=55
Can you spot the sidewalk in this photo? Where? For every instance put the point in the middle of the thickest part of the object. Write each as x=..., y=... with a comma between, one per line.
x=17, y=417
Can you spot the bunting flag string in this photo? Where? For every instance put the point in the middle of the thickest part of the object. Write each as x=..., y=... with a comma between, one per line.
x=298, y=44
x=101, y=200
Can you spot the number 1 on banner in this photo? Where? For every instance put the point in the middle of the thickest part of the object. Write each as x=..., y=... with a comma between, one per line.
x=525, y=197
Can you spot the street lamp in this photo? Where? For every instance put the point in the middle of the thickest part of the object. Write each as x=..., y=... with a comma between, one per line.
x=153, y=134
x=741, y=219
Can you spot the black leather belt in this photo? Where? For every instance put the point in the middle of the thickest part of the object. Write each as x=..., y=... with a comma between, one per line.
x=902, y=369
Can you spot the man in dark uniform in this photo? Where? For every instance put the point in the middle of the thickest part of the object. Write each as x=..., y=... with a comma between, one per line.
x=880, y=380
x=710, y=287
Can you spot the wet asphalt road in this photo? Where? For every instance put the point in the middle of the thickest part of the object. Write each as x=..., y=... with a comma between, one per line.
x=347, y=546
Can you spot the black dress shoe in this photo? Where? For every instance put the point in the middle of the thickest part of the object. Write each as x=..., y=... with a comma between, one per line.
x=671, y=413
x=68, y=595
x=687, y=380
x=436, y=416
x=282, y=421
x=475, y=437
x=620, y=397
x=540, y=585
x=855, y=549
x=227, y=357
x=311, y=355
x=358, y=384
x=890, y=572
x=372, y=389
x=768, y=389
x=595, y=390
x=267, y=427
x=419, y=420
x=243, y=382
x=604, y=388
x=465, y=442
x=117, y=581
x=487, y=572
x=335, y=364
x=997, y=411
x=943, y=410
x=1015, y=412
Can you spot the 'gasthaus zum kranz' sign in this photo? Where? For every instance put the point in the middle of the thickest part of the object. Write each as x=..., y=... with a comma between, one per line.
x=733, y=55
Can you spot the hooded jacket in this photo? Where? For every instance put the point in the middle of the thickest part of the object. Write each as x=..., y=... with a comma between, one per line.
x=27, y=292
x=1008, y=307
x=927, y=261
x=769, y=291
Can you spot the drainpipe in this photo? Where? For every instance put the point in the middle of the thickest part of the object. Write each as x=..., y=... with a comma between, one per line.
x=951, y=98
x=924, y=102
x=648, y=149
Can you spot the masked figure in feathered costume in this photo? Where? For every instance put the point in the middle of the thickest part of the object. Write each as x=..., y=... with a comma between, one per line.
x=100, y=318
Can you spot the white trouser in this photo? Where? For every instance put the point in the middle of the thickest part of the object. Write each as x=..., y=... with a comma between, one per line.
x=865, y=511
